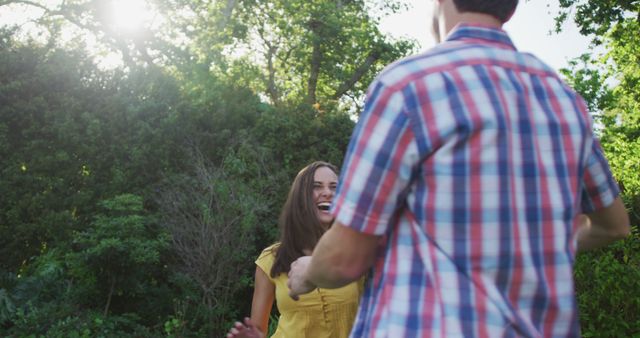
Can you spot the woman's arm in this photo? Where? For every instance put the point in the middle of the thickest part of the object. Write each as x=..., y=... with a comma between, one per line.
x=264, y=293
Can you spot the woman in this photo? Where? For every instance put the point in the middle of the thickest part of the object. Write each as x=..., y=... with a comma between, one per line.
x=304, y=218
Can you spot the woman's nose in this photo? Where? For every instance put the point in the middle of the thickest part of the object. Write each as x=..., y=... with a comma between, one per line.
x=326, y=191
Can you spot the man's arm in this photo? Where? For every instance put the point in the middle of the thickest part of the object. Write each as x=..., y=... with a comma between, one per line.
x=604, y=226
x=341, y=256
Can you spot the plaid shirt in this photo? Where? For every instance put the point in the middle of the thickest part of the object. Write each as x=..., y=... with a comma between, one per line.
x=473, y=160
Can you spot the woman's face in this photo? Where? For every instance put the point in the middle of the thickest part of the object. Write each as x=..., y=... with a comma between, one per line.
x=324, y=187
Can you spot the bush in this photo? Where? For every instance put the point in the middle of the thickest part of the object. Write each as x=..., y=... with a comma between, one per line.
x=608, y=289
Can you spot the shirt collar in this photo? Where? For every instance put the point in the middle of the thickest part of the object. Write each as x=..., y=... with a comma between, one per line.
x=477, y=32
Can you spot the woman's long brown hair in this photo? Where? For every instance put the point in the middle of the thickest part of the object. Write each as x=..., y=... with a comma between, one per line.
x=300, y=228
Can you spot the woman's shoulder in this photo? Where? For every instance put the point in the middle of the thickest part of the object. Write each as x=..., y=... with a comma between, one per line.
x=267, y=258
x=269, y=252
x=271, y=248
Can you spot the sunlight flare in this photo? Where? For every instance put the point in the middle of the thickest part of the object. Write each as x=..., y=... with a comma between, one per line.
x=130, y=16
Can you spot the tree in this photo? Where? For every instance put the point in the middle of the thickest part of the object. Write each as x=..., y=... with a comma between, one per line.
x=71, y=136
x=38, y=164
x=297, y=137
x=213, y=216
x=612, y=84
x=85, y=150
x=607, y=280
x=84, y=17
x=111, y=279
x=317, y=51
x=121, y=252
x=320, y=52
x=597, y=18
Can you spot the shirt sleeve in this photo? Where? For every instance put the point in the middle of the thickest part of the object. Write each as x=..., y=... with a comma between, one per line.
x=378, y=165
x=265, y=261
x=599, y=189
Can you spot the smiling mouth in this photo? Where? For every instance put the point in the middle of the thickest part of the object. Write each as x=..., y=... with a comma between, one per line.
x=324, y=206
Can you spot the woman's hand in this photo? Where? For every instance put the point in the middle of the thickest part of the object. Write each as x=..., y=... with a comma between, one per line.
x=245, y=330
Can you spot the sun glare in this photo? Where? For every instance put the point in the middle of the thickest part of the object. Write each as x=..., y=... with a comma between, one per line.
x=129, y=16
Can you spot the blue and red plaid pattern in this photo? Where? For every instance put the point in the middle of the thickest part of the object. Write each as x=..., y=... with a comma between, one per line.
x=473, y=159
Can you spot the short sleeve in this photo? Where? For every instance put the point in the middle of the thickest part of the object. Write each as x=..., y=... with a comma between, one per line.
x=599, y=189
x=265, y=261
x=378, y=164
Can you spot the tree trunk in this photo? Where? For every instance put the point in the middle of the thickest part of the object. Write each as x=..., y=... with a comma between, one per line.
x=226, y=14
x=271, y=81
x=316, y=58
x=111, y=289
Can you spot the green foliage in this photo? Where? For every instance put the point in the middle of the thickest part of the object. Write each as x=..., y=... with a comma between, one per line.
x=76, y=136
x=607, y=281
x=294, y=51
x=85, y=249
x=596, y=18
x=216, y=214
x=39, y=296
x=607, y=284
x=172, y=326
x=611, y=86
x=115, y=266
x=33, y=83
x=296, y=137
x=96, y=325
x=317, y=51
x=119, y=254
x=586, y=78
x=102, y=135
x=7, y=308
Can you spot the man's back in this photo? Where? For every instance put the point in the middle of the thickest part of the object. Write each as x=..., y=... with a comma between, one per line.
x=475, y=174
x=475, y=164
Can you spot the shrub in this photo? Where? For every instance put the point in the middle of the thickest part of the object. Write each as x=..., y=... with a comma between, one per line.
x=608, y=289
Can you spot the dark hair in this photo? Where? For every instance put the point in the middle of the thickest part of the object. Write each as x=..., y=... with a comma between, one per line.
x=501, y=9
x=300, y=228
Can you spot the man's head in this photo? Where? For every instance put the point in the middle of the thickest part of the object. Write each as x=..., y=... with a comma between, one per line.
x=448, y=13
x=500, y=9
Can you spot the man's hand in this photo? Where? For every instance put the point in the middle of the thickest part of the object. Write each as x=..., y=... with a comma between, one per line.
x=298, y=283
x=341, y=256
x=603, y=227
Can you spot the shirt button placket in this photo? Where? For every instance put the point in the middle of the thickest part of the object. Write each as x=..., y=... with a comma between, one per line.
x=325, y=309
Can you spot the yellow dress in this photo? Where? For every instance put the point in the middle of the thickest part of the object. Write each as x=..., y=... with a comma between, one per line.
x=322, y=313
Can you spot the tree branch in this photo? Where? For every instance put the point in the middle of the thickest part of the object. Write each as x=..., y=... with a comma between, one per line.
x=357, y=75
x=316, y=60
x=272, y=49
x=25, y=2
x=226, y=14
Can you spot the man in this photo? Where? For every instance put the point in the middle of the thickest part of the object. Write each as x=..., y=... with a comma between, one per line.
x=463, y=190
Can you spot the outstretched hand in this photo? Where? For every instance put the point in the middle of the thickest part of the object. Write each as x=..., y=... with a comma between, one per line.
x=245, y=330
x=298, y=283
